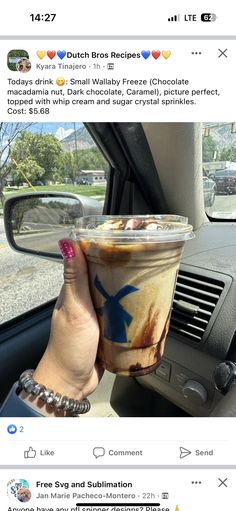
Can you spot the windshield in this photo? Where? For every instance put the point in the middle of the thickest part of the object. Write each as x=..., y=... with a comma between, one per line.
x=219, y=169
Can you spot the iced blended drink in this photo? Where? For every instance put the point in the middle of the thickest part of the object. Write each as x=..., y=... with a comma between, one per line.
x=133, y=264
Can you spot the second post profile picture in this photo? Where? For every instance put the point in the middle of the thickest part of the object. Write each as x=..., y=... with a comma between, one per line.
x=18, y=60
x=18, y=489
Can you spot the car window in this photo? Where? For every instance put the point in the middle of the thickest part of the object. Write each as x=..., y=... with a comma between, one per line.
x=219, y=165
x=60, y=157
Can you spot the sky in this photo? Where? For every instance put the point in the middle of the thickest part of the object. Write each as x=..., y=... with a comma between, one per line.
x=59, y=129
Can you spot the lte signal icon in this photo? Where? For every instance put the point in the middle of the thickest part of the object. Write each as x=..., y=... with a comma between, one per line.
x=176, y=17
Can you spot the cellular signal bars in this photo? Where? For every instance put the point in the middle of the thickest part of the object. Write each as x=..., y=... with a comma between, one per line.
x=176, y=17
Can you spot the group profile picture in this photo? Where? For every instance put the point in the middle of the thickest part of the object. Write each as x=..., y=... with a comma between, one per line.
x=18, y=490
x=18, y=60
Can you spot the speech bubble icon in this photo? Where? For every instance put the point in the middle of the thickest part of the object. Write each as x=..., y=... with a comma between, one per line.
x=98, y=452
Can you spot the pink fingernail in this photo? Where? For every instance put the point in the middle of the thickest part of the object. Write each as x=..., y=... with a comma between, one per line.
x=66, y=249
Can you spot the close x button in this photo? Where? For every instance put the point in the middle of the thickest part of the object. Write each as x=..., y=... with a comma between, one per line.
x=163, y=371
x=222, y=53
x=222, y=482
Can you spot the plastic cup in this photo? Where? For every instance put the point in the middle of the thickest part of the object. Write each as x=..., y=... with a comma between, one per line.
x=132, y=275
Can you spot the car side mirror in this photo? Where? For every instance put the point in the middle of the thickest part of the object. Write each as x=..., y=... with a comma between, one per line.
x=35, y=222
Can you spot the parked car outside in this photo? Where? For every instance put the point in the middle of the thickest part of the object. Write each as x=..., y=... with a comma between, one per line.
x=84, y=181
x=209, y=191
x=38, y=183
x=225, y=181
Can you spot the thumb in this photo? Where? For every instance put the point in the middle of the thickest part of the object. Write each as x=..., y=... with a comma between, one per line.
x=76, y=286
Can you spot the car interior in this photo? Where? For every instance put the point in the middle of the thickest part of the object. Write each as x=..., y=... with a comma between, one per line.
x=156, y=168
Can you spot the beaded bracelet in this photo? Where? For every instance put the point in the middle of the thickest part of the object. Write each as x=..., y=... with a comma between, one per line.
x=55, y=400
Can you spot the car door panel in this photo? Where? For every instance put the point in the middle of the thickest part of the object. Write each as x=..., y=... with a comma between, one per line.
x=23, y=342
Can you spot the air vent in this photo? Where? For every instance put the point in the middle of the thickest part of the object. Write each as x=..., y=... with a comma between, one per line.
x=195, y=299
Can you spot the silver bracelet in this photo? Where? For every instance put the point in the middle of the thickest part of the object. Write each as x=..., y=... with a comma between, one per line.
x=49, y=397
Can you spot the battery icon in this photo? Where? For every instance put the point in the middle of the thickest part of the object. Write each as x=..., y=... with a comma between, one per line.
x=208, y=16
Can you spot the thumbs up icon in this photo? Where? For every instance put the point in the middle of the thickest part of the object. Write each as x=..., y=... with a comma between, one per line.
x=31, y=453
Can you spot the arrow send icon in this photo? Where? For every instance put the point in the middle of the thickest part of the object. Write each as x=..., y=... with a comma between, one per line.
x=184, y=452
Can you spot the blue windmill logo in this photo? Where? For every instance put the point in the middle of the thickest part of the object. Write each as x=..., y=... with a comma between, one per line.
x=116, y=318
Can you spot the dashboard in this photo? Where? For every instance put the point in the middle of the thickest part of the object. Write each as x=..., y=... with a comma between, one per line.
x=203, y=321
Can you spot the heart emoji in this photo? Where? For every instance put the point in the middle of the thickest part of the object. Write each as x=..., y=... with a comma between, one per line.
x=156, y=54
x=51, y=54
x=166, y=54
x=61, y=54
x=145, y=54
x=41, y=54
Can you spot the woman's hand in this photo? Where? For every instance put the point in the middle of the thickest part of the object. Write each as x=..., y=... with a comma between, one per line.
x=69, y=365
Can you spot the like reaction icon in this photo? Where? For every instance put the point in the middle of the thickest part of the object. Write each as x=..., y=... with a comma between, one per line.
x=12, y=429
x=30, y=453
